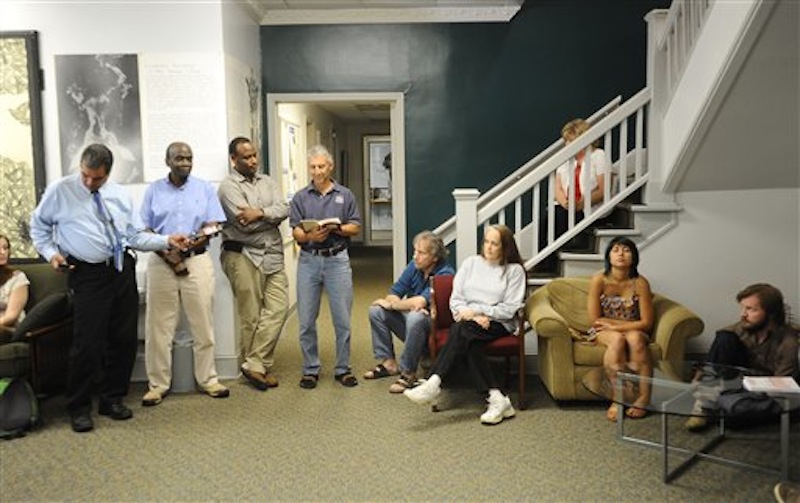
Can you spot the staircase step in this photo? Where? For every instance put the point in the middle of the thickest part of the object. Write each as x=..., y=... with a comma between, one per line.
x=540, y=280
x=655, y=208
x=612, y=233
x=582, y=257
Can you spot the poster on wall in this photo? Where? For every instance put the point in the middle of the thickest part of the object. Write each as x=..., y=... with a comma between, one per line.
x=98, y=102
x=181, y=101
x=22, y=177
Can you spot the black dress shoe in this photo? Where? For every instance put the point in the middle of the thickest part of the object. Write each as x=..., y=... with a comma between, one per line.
x=116, y=411
x=81, y=422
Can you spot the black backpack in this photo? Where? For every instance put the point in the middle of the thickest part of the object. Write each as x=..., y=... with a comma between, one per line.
x=19, y=407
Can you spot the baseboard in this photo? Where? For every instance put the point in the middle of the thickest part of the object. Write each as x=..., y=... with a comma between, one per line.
x=227, y=368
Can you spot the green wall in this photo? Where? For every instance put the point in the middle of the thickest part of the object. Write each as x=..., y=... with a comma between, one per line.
x=480, y=99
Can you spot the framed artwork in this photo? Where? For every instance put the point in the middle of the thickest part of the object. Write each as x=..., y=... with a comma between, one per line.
x=22, y=173
x=378, y=187
x=99, y=102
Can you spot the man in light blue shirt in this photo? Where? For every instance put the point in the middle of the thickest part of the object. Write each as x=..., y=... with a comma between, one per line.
x=85, y=224
x=180, y=203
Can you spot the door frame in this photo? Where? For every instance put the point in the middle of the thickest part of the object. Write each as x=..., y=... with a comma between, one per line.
x=395, y=100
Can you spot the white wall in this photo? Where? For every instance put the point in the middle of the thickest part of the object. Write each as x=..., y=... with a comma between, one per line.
x=723, y=242
x=704, y=70
x=211, y=29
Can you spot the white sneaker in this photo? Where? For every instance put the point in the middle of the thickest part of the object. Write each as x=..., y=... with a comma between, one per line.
x=498, y=410
x=426, y=392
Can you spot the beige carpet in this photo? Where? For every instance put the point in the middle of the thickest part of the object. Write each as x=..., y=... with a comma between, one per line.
x=361, y=444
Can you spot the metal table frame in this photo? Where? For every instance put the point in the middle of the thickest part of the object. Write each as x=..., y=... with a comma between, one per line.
x=704, y=451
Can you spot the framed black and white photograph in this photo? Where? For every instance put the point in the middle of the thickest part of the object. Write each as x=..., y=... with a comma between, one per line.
x=22, y=173
x=99, y=102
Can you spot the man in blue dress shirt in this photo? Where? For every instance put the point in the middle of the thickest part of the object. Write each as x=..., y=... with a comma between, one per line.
x=182, y=204
x=85, y=224
x=324, y=263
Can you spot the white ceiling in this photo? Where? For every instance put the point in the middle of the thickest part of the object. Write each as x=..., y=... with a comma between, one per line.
x=283, y=12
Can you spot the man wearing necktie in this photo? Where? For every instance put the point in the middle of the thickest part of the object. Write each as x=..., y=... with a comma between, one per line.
x=85, y=224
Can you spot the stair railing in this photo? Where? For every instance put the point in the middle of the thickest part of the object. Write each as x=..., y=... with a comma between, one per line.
x=519, y=203
x=447, y=229
x=683, y=25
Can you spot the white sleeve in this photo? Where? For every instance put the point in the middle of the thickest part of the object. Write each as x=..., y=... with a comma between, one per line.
x=599, y=161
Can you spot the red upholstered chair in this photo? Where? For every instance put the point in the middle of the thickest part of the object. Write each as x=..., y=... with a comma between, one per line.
x=508, y=346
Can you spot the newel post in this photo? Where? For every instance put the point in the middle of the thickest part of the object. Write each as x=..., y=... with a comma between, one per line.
x=466, y=223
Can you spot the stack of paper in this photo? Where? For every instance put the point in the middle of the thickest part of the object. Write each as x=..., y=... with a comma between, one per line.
x=771, y=384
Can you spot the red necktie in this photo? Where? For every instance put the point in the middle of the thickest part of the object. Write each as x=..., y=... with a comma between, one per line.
x=578, y=181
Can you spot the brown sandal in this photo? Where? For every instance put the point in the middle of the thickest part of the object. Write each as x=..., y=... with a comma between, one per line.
x=347, y=380
x=403, y=383
x=635, y=413
x=379, y=372
x=309, y=381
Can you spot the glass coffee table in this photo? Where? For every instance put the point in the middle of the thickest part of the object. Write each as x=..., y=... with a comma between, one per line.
x=684, y=390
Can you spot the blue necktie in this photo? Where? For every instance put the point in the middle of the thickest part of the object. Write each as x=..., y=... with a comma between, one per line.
x=116, y=239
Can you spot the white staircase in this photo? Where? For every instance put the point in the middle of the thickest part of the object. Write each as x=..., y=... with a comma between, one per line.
x=632, y=135
x=526, y=199
x=649, y=223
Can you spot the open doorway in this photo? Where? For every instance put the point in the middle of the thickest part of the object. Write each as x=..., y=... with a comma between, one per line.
x=297, y=121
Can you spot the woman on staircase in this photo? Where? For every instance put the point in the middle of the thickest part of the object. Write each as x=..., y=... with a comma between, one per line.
x=621, y=311
x=586, y=173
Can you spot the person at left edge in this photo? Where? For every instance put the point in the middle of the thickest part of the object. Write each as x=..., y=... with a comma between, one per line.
x=80, y=222
x=180, y=203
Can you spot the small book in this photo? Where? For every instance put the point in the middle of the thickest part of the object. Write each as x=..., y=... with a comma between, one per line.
x=312, y=225
x=771, y=384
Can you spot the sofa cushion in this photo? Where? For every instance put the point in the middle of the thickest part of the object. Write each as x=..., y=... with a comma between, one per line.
x=14, y=359
x=52, y=309
x=568, y=298
x=591, y=354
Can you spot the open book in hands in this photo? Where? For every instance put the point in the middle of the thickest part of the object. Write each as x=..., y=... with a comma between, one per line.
x=312, y=225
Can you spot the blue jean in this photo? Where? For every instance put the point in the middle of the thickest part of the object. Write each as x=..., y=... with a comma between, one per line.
x=334, y=275
x=410, y=327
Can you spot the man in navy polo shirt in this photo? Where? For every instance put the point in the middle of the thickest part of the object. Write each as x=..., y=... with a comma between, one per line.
x=324, y=263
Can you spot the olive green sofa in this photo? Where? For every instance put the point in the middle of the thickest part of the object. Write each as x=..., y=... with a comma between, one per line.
x=39, y=346
x=555, y=308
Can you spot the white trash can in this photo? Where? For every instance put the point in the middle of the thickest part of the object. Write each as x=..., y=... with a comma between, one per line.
x=182, y=363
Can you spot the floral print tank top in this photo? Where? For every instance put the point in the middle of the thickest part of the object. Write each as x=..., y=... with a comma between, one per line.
x=620, y=308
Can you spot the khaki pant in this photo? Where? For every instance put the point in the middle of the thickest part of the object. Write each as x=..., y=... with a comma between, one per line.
x=166, y=292
x=261, y=305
